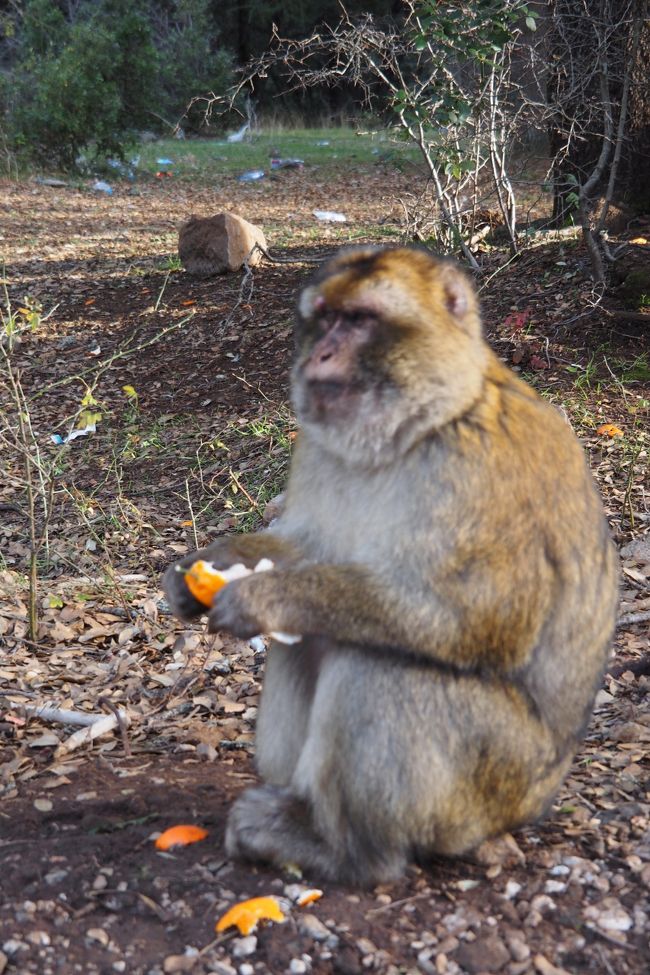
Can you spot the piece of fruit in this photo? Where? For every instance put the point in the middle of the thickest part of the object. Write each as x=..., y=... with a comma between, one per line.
x=180, y=836
x=204, y=581
x=245, y=915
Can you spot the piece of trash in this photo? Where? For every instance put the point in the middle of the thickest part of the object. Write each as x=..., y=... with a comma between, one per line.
x=252, y=176
x=58, y=439
x=164, y=162
x=287, y=163
x=329, y=216
x=322, y=143
x=238, y=136
x=101, y=187
x=124, y=169
x=51, y=181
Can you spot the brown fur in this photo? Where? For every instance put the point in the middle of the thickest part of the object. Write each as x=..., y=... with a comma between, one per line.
x=444, y=553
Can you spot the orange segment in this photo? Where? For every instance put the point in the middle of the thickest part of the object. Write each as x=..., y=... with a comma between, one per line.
x=245, y=915
x=180, y=836
x=204, y=582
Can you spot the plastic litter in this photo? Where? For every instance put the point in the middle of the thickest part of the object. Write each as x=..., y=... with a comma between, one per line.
x=58, y=439
x=323, y=143
x=329, y=216
x=238, y=136
x=164, y=162
x=101, y=187
x=287, y=163
x=252, y=176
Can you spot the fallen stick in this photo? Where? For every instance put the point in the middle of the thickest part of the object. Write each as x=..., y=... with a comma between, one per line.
x=101, y=726
x=61, y=715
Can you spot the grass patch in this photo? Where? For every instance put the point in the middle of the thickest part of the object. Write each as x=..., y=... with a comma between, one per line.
x=207, y=159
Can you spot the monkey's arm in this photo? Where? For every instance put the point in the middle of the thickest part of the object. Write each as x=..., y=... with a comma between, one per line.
x=350, y=604
x=223, y=553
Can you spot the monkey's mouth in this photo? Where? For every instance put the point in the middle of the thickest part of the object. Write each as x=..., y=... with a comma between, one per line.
x=329, y=399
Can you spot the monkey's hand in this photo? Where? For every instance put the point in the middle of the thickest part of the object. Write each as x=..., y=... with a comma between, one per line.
x=244, y=607
x=334, y=601
x=223, y=553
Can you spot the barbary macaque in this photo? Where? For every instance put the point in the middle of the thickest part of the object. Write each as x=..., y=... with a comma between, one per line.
x=444, y=555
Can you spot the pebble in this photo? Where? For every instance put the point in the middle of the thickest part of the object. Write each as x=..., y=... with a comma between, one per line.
x=312, y=927
x=517, y=947
x=4, y=961
x=179, y=963
x=223, y=968
x=13, y=946
x=297, y=966
x=542, y=903
x=512, y=888
x=242, y=947
x=554, y=887
x=486, y=954
x=246, y=969
x=55, y=877
x=40, y=938
x=609, y=916
x=100, y=882
x=99, y=935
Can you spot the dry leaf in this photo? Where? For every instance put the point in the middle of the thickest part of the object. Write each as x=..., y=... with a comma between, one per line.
x=245, y=915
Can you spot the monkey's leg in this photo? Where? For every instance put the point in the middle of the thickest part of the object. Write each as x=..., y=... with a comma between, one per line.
x=290, y=677
x=399, y=759
x=319, y=820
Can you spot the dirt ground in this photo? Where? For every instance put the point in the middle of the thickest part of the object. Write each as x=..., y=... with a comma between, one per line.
x=199, y=446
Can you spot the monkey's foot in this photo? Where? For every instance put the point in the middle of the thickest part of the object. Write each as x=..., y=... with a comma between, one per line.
x=270, y=824
x=504, y=851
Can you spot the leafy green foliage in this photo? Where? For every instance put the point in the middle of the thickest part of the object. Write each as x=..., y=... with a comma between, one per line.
x=83, y=85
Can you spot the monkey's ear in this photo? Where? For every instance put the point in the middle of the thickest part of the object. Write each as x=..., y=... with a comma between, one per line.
x=457, y=290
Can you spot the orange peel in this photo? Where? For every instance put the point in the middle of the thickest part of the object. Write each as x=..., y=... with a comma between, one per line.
x=246, y=914
x=609, y=430
x=180, y=836
x=204, y=581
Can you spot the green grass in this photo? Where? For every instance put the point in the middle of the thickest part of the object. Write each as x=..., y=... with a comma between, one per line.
x=208, y=158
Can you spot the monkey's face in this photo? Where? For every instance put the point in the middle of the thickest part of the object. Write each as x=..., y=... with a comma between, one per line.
x=388, y=346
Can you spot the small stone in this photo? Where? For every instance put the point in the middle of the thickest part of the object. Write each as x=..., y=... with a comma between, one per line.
x=544, y=967
x=312, y=927
x=223, y=968
x=243, y=947
x=40, y=938
x=100, y=882
x=517, y=947
x=246, y=969
x=99, y=935
x=543, y=903
x=55, y=877
x=554, y=887
x=297, y=966
x=119, y=966
x=13, y=946
x=179, y=963
x=206, y=752
x=512, y=889
x=43, y=805
x=4, y=961
x=384, y=899
x=441, y=963
x=485, y=954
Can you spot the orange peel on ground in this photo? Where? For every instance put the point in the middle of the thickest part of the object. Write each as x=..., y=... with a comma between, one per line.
x=609, y=430
x=309, y=897
x=246, y=914
x=180, y=836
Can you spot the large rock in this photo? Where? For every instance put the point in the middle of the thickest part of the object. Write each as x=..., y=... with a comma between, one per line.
x=214, y=245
